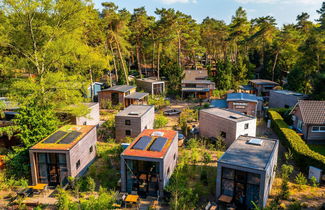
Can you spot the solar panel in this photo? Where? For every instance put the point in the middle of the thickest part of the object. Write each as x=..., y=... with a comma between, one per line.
x=55, y=137
x=142, y=143
x=158, y=144
x=70, y=137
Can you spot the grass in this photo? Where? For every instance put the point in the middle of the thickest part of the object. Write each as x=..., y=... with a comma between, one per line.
x=308, y=196
x=318, y=148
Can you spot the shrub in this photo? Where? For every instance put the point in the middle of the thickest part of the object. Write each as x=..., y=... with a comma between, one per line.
x=313, y=182
x=220, y=144
x=301, y=179
x=207, y=157
x=158, y=101
x=286, y=171
x=90, y=184
x=303, y=155
x=160, y=121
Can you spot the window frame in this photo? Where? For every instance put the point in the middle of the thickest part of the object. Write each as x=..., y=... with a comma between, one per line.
x=127, y=122
x=318, y=130
x=246, y=126
x=128, y=131
x=78, y=163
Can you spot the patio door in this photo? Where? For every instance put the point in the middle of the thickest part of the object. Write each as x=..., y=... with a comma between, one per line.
x=52, y=168
x=115, y=99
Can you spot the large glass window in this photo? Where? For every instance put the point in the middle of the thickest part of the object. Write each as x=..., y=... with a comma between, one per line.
x=52, y=168
x=242, y=186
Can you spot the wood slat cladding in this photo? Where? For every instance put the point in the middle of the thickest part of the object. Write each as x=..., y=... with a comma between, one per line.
x=79, y=150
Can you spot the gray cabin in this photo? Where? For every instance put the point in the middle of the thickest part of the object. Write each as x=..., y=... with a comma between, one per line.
x=152, y=86
x=228, y=124
x=69, y=151
x=246, y=172
x=133, y=120
x=148, y=162
x=284, y=98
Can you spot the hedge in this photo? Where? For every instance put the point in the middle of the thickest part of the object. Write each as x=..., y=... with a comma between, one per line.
x=303, y=155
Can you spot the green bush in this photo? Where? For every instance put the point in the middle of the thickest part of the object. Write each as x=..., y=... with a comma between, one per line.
x=313, y=182
x=285, y=114
x=301, y=179
x=303, y=155
x=160, y=121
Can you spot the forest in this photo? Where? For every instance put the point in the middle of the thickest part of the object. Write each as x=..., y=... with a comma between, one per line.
x=72, y=38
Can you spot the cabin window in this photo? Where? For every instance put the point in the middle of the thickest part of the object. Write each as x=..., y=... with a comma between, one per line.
x=246, y=125
x=91, y=149
x=127, y=122
x=78, y=164
x=318, y=129
x=127, y=132
x=299, y=125
x=223, y=134
x=85, y=123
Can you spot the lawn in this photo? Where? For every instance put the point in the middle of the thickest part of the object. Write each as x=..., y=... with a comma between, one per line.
x=318, y=148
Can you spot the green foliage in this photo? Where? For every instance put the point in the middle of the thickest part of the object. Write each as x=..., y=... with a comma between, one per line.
x=219, y=93
x=286, y=171
x=313, y=182
x=301, y=179
x=90, y=184
x=35, y=123
x=220, y=143
x=158, y=101
x=288, y=155
x=160, y=121
x=174, y=75
x=63, y=200
x=207, y=158
x=303, y=155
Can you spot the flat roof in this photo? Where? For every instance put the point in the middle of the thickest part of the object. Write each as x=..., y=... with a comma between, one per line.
x=243, y=97
x=197, y=81
x=186, y=89
x=246, y=87
x=150, y=80
x=56, y=144
x=241, y=153
x=135, y=110
x=136, y=95
x=195, y=74
x=289, y=92
x=228, y=114
x=219, y=103
x=120, y=88
x=263, y=82
x=168, y=134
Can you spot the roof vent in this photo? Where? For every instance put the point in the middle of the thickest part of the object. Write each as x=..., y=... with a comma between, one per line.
x=257, y=142
x=157, y=133
x=133, y=113
x=234, y=117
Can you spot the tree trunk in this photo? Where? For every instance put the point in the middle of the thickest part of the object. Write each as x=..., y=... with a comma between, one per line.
x=179, y=52
x=114, y=62
x=158, y=62
x=153, y=54
x=275, y=61
x=139, y=61
x=122, y=62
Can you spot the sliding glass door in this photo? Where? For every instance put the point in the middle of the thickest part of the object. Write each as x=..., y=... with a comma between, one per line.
x=242, y=186
x=52, y=168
